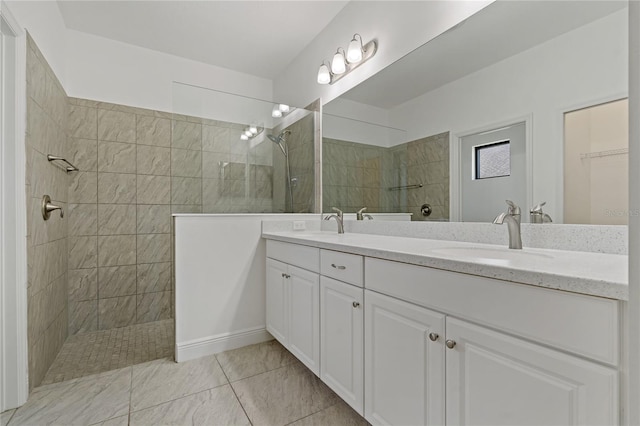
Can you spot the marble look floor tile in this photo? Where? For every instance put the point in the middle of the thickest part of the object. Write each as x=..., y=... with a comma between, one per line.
x=254, y=359
x=281, y=396
x=79, y=402
x=338, y=414
x=217, y=406
x=6, y=416
x=118, y=421
x=164, y=380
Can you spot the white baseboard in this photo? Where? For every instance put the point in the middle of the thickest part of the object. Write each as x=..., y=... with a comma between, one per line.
x=210, y=345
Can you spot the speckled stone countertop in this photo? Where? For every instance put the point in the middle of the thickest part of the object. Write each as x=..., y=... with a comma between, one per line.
x=596, y=274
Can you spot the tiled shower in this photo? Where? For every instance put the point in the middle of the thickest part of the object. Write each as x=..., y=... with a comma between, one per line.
x=105, y=270
x=388, y=180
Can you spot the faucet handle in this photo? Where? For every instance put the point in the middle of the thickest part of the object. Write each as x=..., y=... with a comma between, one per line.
x=538, y=208
x=335, y=209
x=361, y=210
x=513, y=208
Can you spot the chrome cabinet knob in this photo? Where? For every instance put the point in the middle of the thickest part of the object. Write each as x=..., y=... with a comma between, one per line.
x=284, y=275
x=434, y=336
x=450, y=343
x=333, y=265
x=355, y=304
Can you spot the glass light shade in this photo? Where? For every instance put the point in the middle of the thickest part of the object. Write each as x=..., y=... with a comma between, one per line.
x=284, y=108
x=248, y=133
x=253, y=130
x=324, y=77
x=338, y=65
x=244, y=137
x=354, y=51
x=276, y=113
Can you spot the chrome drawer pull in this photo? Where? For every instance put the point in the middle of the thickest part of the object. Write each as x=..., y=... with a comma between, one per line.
x=338, y=266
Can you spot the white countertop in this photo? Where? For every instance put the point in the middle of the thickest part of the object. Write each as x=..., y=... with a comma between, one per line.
x=596, y=274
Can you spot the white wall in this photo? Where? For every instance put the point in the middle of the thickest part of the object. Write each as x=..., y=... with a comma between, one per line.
x=45, y=24
x=399, y=27
x=581, y=67
x=111, y=71
x=220, y=281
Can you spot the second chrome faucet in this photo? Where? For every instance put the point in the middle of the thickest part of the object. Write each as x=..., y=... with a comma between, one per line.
x=339, y=219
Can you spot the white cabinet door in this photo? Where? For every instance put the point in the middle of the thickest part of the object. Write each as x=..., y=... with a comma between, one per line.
x=404, y=368
x=304, y=317
x=496, y=379
x=277, y=296
x=342, y=340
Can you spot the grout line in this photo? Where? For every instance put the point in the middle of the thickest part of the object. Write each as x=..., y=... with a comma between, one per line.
x=130, y=397
x=233, y=389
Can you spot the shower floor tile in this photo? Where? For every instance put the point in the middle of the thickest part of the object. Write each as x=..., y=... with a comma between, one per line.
x=99, y=351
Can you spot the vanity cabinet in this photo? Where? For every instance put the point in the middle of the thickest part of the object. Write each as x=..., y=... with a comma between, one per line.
x=293, y=305
x=341, y=340
x=404, y=368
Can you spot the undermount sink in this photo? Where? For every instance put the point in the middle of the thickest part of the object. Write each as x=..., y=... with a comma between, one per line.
x=486, y=253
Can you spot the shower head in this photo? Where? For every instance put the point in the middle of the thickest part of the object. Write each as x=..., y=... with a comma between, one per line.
x=279, y=140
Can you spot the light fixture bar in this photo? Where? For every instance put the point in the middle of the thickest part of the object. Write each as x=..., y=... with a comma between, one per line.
x=368, y=51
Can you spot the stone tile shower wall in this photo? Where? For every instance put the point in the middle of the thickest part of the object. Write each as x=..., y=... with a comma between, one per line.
x=301, y=160
x=355, y=175
x=46, y=240
x=119, y=216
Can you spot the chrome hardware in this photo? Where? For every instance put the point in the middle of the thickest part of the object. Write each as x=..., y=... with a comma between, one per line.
x=333, y=265
x=287, y=276
x=425, y=210
x=398, y=188
x=284, y=275
x=68, y=167
x=434, y=336
x=512, y=217
x=47, y=208
x=361, y=216
x=355, y=304
x=536, y=215
x=450, y=343
x=339, y=218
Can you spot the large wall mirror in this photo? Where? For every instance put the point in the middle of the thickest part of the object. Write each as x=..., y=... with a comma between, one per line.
x=524, y=101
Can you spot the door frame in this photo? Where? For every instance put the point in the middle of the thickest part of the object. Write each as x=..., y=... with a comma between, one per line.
x=14, y=380
x=455, y=161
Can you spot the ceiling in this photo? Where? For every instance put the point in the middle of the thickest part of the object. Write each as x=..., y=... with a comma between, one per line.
x=255, y=37
x=500, y=30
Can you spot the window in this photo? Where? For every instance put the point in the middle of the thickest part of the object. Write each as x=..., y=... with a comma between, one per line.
x=492, y=160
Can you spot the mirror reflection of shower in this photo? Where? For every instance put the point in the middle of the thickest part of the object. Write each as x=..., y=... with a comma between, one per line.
x=282, y=144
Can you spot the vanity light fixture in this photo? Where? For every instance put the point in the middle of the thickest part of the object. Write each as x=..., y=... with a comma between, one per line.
x=280, y=110
x=345, y=62
x=250, y=132
x=354, y=51
x=339, y=63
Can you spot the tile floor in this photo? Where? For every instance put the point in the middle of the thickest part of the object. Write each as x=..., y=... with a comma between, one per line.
x=100, y=351
x=260, y=384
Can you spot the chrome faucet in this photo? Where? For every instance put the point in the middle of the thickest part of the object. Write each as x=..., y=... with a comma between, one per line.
x=339, y=218
x=512, y=217
x=536, y=214
x=361, y=216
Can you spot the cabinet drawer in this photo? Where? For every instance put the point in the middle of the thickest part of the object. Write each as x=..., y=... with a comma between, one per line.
x=584, y=325
x=342, y=266
x=304, y=257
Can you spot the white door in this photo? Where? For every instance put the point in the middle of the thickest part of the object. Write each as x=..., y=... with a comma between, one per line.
x=342, y=340
x=493, y=168
x=277, y=294
x=495, y=379
x=304, y=317
x=404, y=368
